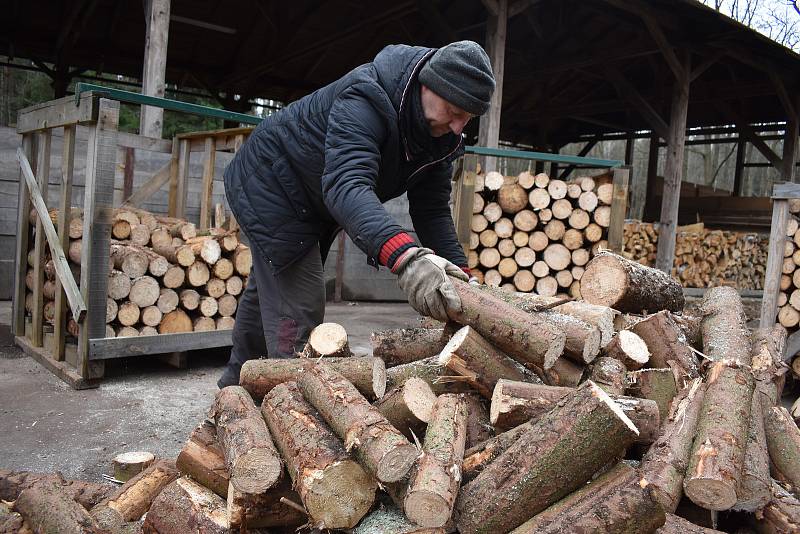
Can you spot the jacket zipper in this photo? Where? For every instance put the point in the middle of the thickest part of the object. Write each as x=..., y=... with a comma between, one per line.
x=436, y=161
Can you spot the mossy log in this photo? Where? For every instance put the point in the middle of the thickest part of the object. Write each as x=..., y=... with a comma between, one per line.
x=335, y=490
x=724, y=328
x=618, y=501
x=664, y=465
x=553, y=458
x=367, y=374
x=87, y=494
x=717, y=458
x=48, y=507
x=433, y=488
x=654, y=384
x=783, y=442
x=380, y=448
x=403, y=345
x=755, y=492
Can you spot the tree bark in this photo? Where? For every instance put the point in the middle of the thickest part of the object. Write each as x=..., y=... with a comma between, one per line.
x=615, y=502
x=525, y=337
x=666, y=342
x=405, y=345
x=265, y=510
x=781, y=515
x=755, y=492
x=655, y=384
x=380, y=447
x=133, y=499
x=664, y=465
x=724, y=328
x=783, y=441
x=429, y=370
x=367, y=374
x=469, y=355
x=335, y=490
x=768, y=365
x=186, y=506
x=408, y=407
x=202, y=459
x=253, y=462
x=432, y=492
x=715, y=466
x=519, y=483
x=87, y=494
x=609, y=374
x=48, y=506
x=478, y=427
x=613, y=281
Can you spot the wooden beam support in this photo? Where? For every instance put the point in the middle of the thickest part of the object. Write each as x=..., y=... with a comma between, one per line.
x=38, y=189
x=585, y=150
x=157, y=13
x=55, y=113
x=772, y=276
x=673, y=172
x=666, y=49
x=489, y=128
x=788, y=168
x=23, y=236
x=747, y=131
x=207, y=187
x=628, y=92
x=739, y=168
x=619, y=207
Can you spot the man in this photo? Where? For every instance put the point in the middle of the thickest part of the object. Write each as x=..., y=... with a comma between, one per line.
x=329, y=161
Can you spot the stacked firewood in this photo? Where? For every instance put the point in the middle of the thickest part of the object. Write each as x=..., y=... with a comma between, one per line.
x=524, y=414
x=534, y=233
x=703, y=257
x=789, y=296
x=165, y=276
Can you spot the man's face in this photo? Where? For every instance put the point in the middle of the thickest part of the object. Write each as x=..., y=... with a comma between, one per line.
x=442, y=116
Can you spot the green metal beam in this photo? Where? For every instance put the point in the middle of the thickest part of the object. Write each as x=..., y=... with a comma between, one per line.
x=544, y=156
x=165, y=103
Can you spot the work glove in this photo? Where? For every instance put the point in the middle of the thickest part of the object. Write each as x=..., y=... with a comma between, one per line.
x=424, y=277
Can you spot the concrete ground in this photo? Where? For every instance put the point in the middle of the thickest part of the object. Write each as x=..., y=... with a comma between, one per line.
x=142, y=404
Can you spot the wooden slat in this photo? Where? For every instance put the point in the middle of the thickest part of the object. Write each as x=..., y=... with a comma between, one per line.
x=772, y=276
x=39, y=202
x=243, y=131
x=62, y=370
x=627, y=91
x=55, y=113
x=48, y=231
x=788, y=167
x=127, y=172
x=120, y=347
x=619, y=207
x=150, y=187
x=23, y=235
x=97, y=207
x=172, y=202
x=787, y=190
x=182, y=179
x=64, y=209
x=207, y=187
x=463, y=202
x=140, y=142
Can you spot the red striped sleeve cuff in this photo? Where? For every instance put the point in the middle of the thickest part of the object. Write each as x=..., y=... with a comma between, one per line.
x=393, y=248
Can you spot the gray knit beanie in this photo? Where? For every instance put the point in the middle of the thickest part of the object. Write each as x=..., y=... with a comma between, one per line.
x=461, y=73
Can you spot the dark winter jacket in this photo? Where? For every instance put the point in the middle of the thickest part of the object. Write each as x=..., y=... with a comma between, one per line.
x=333, y=157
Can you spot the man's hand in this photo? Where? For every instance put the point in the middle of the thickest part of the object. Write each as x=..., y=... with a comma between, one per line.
x=425, y=279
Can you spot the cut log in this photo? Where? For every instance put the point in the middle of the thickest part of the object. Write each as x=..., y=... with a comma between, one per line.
x=578, y=220
x=131, y=500
x=488, y=238
x=186, y=506
x=547, y=286
x=573, y=190
x=664, y=464
x=602, y=216
x=587, y=201
x=504, y=228
x=253, y=461
x=408, y=407
x=609, y=374
x=715, y=467
x=478, y=223
x=223, y=269
x=783, y=441
x=335, y=491
x=119, y=285
x=190, y=299
x=327, y=340
x=208, y=306
x=666, y=343
x=225, y=323
x=202, y=459
x=469, y=355
x=87, y=494
x=524, y=281
x=518, y=483
x=593, y=233
x=654, y=384
x=512, y=198
x=167, y=300
x=489, y=257
x=515, y=403
x=404, y=345
x=197, y=274
x=613, y=281
x=111, y=309
x=628, y=348
x=47, y=506
x=541, y=180
x=557, y=189
x=557, y=256
x=367, y=374
x=493, y=181
x=523, y=336
x=215, y=287
x=432, y=492
x=540, y=269
x=538, y=241
x=129, y=464
x=619, y=500
x=573, y=240
x=478, y=427
x=554, y=230
x=478, y=203
x=144, y=291
x=128, y=313
x=781, y=515
x=524, y=256
x=561, y=208
x=203, y=324
x=755, y=491
x=148, y=331
x=206, y=248
x=563, y=373
x=242, y=260
x=151, y=316
x=525, y=220
x=380, y=447
x=126, y=331
x=428, y=369
x=233, y=285
x=605, y=193
x=174, y=277
x=539, y=198
x=226, y=305
x=130, y=260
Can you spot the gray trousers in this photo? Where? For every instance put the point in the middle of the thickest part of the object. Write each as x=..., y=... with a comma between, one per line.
x=276, y=313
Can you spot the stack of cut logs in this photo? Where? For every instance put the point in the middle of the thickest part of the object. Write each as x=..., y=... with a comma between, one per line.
x=789, y=296
x=703, y=257
x=165, y=276
x=533, y=233
x=523, y=414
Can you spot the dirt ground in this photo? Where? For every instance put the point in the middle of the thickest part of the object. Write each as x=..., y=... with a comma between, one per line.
x=142, y=404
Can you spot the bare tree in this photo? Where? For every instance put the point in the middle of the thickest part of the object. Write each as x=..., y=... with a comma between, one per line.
x=777, y=19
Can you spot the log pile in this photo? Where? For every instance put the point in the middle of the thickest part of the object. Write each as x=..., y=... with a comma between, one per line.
x=703, y=257
x=496, y=422
x=789, y=296
x=165, y=276
x=531, y=233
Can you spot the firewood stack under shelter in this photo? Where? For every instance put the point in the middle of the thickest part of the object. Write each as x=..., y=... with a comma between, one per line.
x=617, y=413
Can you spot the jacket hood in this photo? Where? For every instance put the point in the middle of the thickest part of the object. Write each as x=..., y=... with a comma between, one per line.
x=395, y=65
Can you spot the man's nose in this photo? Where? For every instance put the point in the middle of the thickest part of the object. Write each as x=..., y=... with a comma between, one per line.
x=458, y=125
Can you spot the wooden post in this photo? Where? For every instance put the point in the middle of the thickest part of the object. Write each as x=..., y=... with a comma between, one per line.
x=97, y=205
x=209, y=158
x=629, y=143
x=489, y=128
x=127, y=176
x=155, y=64
x=741, y=145
x=43, y=177
x=619, y=207
x=64, y=209
x=673, y=172
x=780, y=216
x=652, y=174
x=23, y=235
x=172, y=199
x=182, y=183
x=462, y=204
x=788, y=168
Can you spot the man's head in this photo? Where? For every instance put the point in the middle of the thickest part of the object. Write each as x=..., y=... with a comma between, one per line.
x=457, y=84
